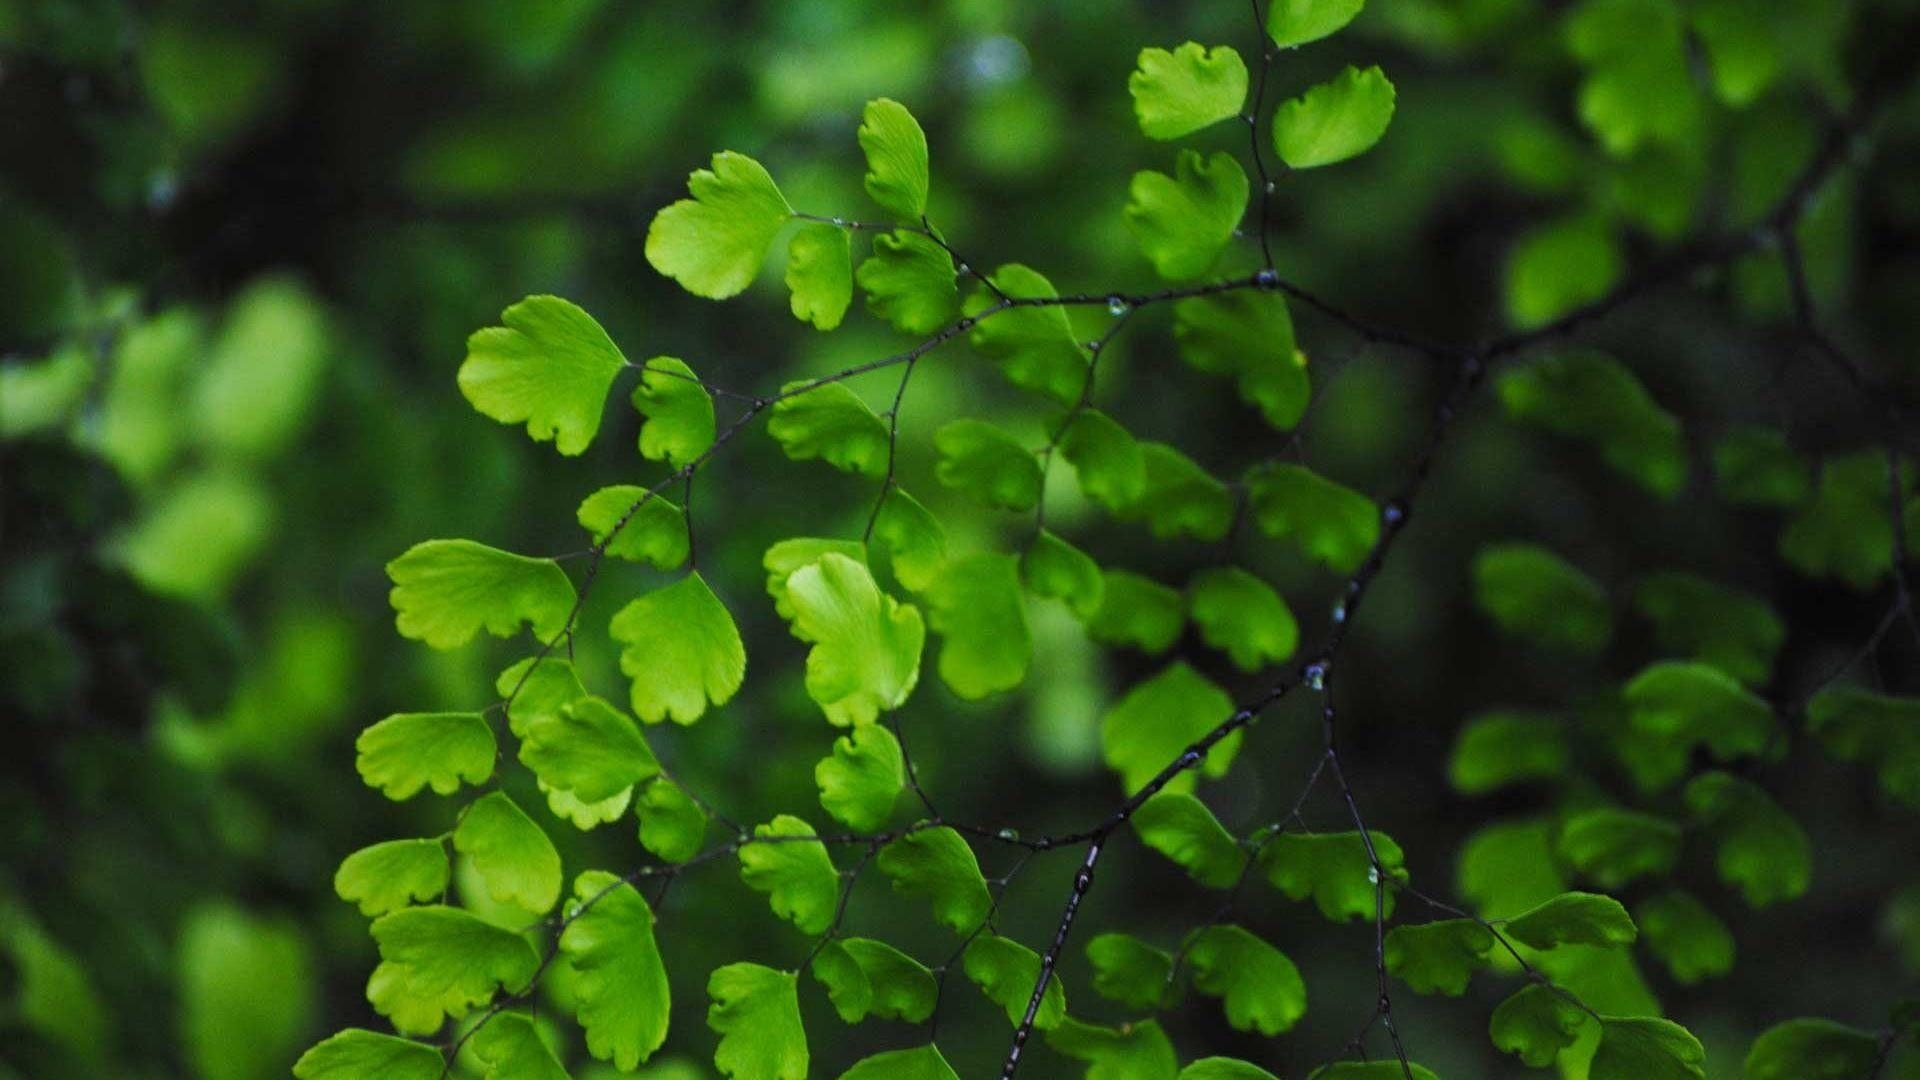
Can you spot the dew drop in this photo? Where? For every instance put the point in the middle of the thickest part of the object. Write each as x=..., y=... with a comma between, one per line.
x=1267, y=279
x=1116, y=306
x=1373, y=875
x=1394, y=512
x=1010, y=835
x=1317, y=676
x=1339, y=613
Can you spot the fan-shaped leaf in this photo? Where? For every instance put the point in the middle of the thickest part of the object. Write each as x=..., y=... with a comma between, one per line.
x=936, y=865
x=865, y=978
x=1184, y=221
x=621, y=995
x=1033, y=344
x=1334, y=525
x=1592, y=397
x=588, y=748
x=672, y=825
x=1692, y=940
x=1056, y=569
x=1335, y=120
x=829, y=422
x=820, y=274
x=679, y=425
x=1138, y=612
x=409, y=751
x=976, y=607
x=550, y=366
x=1501, y=748
x=1297, y=22
x=356, y=1053
x=794, y=870
x=861, y=780
x=1438, y=957
x=1158, y=719
x=1761, y=849
x=865, y=658
x=1177, y=93
x=682, y=650
x=1333, y=868
x=389, y=876
x=896, y=149
x=1006, y=971
x=1258, y=985
x=987, y=464
x=756, y=1010
x=1532, y=593
x=1179, y=826
x=440, y=961
x=652, y=529
x=1575, y=918
x=914, y=537
x=1248, y=335
x=713, y=243
x=1242, y=616
x=1130, y=971
x=1614, y=846
x=445, y=591
x=512, y=855
x=910, y=282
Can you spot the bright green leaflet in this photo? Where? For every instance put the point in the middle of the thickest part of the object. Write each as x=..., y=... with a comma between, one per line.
x=440, y=961
x=656, y=531
x=620, y=985
x=1297, y=22
x=1438, y=957
x=829, y=422
x=1498, y=749
x=1219, y=1068
x=1006, y=971
x=797, y=875
x=1106, y=459
x=756, y=1010
x=241, y=973
x=1053, y=568
x=1560, y=267
x=713, y=243
x=1184, y=221
x=589, y=749
x=1699, y=704
x=1741, y=50
x=1575, y=918
x=672, y=825
x=1701, y=620
x=936, y=865
x=409, y=751
x=537, y=686
x=1181, y=498
x=865, y=978
x=910, y=282
x=446, y=591
x=1334, y=870
x=1615, y=847
x=42, y=395
x=1856, y=725
x=1158, y=719
x=1335, y=120
x=1334, y=525
x=1761, y=849
x=1536, y=1023
x=1587, y=395
x=915, y=539
x=679, y=427
x=682, y=650
x=1034, y=346
x=511, y=854
x=355, y=1053
x=783, y=558
x=391, y=875
x=1690, y=939
x=1646, y=1048
x=512, y=1050
x=1242, y=616
x=820, y=274
x=1639, y=88
x=1138, y=612
x=1812, y=1049
x=580, y=813
x=861, y=780
x=1509, y=866
x=976, y=607
x=896, y=150
x=1754, y=466
x=1258, y=985
x=1179, y=826
x=1137, y=1051
x=1130, y=971
x=1845, y=533
x=921, y=1063
x=987, y=465
x=1248, y=335
x=865, y=658
x=550, y=366
x=1177, y=93
x=1534, y=594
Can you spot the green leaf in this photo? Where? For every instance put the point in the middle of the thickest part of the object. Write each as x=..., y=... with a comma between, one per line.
x=987, y=465
x=672, y=825
x=1690, y=939
x=1242, y=616
x=862, y=779
x=1592, y=397
x=550, y=366
x=865, y=658
x=682, y=650
x=511, y=1049
x=245, y=991
x=1247, y=334
x=1136, y=1051
x=589, y=749
x=1158, y=719
x=713, y=243
x=1640, y=86
x=1812, y=1049
x=538, y=686
x=1647, y=1048
x=1846, y=532
x=1179, y=826
x=1693, y=704
x=936, y=865
x=1007, y=971
x=920, y=1063
x=976, y=608
x=584, y=815
x=1557, y=268
x=1181, y=498
x=388, y=876
x=1177, y=93
x=1754, y=466
x=820, y=274
x=1701, y=620
x=1219, y=1068
x=1534, y=594
x=1614, y=846
x=409, y=751
x=1259, y=986
x=1508, y=867
x=1333, y=868
x=1106, y=459
x=1334, y=525
x=1057, y=570
x=1574, y=918
x=1138, y=612
x=355, y=1053
x=445, y=591
x=1536, y=1023
x=1438, y=957
x=1855, y=725
x=1371, y=1070
x=1130, y=971
x=896, y=149
x=1335, y=120
x=652, y=529
x=1034, y=345
x=916, y=542
x=620, y=990
x=794, y=871
x=783, y=558
x=866, y=978
x=1497, y=749
x=679, y=426
x=438, y=961
x=1184, y=221
x=511, y=854
x=829, y=422
x=756, y=1010
x=1761, y=849
x=1297, y=22
x=910, y=282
